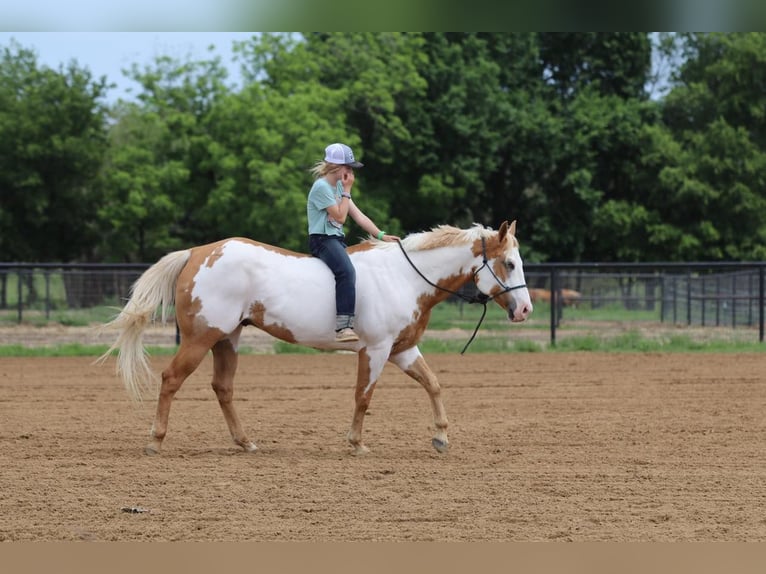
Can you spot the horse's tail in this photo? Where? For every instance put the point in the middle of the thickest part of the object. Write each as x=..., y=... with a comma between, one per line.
x=155, y=288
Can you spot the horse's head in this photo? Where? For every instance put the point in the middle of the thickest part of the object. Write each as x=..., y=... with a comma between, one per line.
x=501, y=276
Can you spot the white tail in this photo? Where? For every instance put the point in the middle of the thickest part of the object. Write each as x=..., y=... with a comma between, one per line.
x=155, y=288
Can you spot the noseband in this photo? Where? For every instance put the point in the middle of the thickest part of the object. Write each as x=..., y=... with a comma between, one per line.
x=481, y=297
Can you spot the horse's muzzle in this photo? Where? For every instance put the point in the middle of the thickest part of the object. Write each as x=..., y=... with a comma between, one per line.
x=519, y=313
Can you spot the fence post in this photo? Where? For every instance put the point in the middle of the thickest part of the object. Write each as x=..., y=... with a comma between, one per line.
x=47, y=275
x=689, y=298
x=554, y=310
x=675, y=299
x=717, y=300
x=19, y=295
x=761, y=302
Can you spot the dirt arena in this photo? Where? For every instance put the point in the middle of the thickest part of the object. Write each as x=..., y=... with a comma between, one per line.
x=543, y=447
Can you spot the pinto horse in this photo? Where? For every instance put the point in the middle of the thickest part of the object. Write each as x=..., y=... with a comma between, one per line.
x=221, y=287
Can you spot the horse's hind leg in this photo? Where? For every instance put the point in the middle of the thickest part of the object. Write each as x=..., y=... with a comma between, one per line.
x=224, y=366
x=414, y=365
x=185, y=361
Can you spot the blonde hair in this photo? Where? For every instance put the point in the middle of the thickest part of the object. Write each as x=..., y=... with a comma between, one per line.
x=323, y=168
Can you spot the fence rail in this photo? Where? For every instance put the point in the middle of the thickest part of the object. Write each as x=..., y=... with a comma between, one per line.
x=682, y=290
x=705, y=294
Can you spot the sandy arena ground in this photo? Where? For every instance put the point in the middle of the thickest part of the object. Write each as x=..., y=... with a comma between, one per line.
x=544, y=447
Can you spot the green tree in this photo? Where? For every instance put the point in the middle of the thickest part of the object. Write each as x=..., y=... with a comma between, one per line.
x=594, y=90
x=52, y=141
x=717, y=113
x=140, y=215
x=375, y=75
x=556, y=130
x=267, y=137
x=615, y=64
x=291, y=107
x=159, y=172
x=431, y=112
x=266, y=143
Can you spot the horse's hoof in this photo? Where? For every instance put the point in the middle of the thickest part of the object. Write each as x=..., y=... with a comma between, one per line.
x=440, y=445
x=360, y=450
x=250, y=447
x=151, y=450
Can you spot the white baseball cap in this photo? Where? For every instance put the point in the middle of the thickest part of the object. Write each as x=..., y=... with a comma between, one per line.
x=340, y=154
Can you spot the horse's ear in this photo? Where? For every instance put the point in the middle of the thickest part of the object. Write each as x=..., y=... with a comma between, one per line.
x=512, y=229
x=502, y=231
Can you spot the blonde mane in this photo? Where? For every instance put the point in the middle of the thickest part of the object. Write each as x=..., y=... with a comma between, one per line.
x=441, y=236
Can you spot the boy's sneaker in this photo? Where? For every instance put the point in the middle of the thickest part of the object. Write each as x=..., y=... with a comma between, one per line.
x=346, y=335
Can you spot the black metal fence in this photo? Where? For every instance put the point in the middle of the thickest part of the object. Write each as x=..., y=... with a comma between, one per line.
x=40, y=290
x=704, y=294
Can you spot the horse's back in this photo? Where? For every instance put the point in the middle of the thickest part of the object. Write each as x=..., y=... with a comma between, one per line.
x=225, y=281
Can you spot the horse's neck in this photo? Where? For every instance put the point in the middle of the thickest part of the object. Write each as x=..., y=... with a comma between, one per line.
x=450, y=267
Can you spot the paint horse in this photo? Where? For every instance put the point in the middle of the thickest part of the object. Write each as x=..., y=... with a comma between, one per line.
x=221, y=287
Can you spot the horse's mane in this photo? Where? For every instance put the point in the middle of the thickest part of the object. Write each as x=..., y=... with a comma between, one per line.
x=442, y=236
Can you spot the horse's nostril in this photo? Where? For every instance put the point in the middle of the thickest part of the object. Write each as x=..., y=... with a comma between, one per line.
x=524, y=311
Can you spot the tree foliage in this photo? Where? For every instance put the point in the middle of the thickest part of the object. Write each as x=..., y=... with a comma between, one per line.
x=567, y=132
x=52, y=140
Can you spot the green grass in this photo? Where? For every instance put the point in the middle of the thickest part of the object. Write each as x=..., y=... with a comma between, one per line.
x=465, y=316
x=628, y=342
x=632, y=341
x=69, y=350
x=496, y=334
x=282, y=348
x=479, y=345
x=66, y=317
x=612, y=312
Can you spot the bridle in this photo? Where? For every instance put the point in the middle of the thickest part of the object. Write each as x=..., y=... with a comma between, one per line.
x=481, y=297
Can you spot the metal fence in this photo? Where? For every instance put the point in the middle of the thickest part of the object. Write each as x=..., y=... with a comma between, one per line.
x=704, y=294
x=727, y=294
x=41, y=290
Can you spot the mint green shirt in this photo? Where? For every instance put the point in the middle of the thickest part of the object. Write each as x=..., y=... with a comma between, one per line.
x=322, y=196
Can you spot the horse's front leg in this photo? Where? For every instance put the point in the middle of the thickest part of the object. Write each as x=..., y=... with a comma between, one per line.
x=369, y=366
x=414, y=365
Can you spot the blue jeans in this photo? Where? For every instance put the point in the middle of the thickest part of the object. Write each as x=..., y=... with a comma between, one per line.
x=332, y=250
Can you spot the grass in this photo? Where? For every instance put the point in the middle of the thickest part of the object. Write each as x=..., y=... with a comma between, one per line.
x=67, y=317
x=69, y=350
x=629, y=342
x=632, y=341
x=591, y=343
x=496, y=335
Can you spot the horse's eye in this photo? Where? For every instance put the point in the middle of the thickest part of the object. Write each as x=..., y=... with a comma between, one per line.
x=510, y=265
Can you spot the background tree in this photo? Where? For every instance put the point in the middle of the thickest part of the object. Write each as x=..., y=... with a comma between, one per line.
x=556, y=130
x=52, y=141
x=140, y=215
x=268, y=137
x=715, y=197
x=159, y=174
